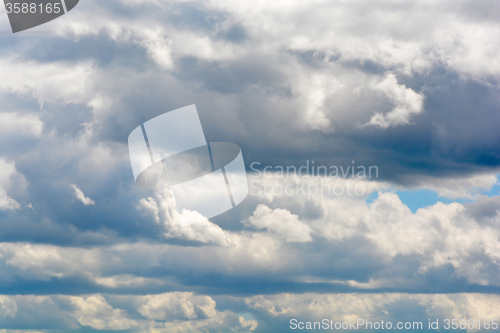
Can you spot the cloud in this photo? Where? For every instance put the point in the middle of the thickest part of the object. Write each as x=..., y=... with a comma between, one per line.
x=13, y=124
x=7, y=203
x=281, y=222
x=280, y=309
x=456, y=188
x=163, y=209
x=290, y=83
x=95, y=312
x=406, y=101
x=8, y=307
x=8, y=178
x=265, y=312
x=178, y=306
x=310, y=84
x=80, y=196
x=381, y=236
x=166, y=312
x=47, y=82
x=251, y=325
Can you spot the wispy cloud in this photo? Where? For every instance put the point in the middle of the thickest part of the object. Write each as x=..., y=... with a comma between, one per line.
x=81, y=196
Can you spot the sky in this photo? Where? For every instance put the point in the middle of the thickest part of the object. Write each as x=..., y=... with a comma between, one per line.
x=408, y=88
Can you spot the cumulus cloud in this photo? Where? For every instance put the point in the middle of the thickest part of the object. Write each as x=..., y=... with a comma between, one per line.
x=179, y=225
x=406, y=101
x=281, y=222
x=437, y=236
x=182, y=306
x=166, y=312
x=250, y=324
x=95, y=312
x=384, y=232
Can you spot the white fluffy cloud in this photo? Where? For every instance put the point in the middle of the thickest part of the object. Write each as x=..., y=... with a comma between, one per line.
x=163, y=209
x=95, y=312
x=281, y=222
x=168, y=312
x=184, y=306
